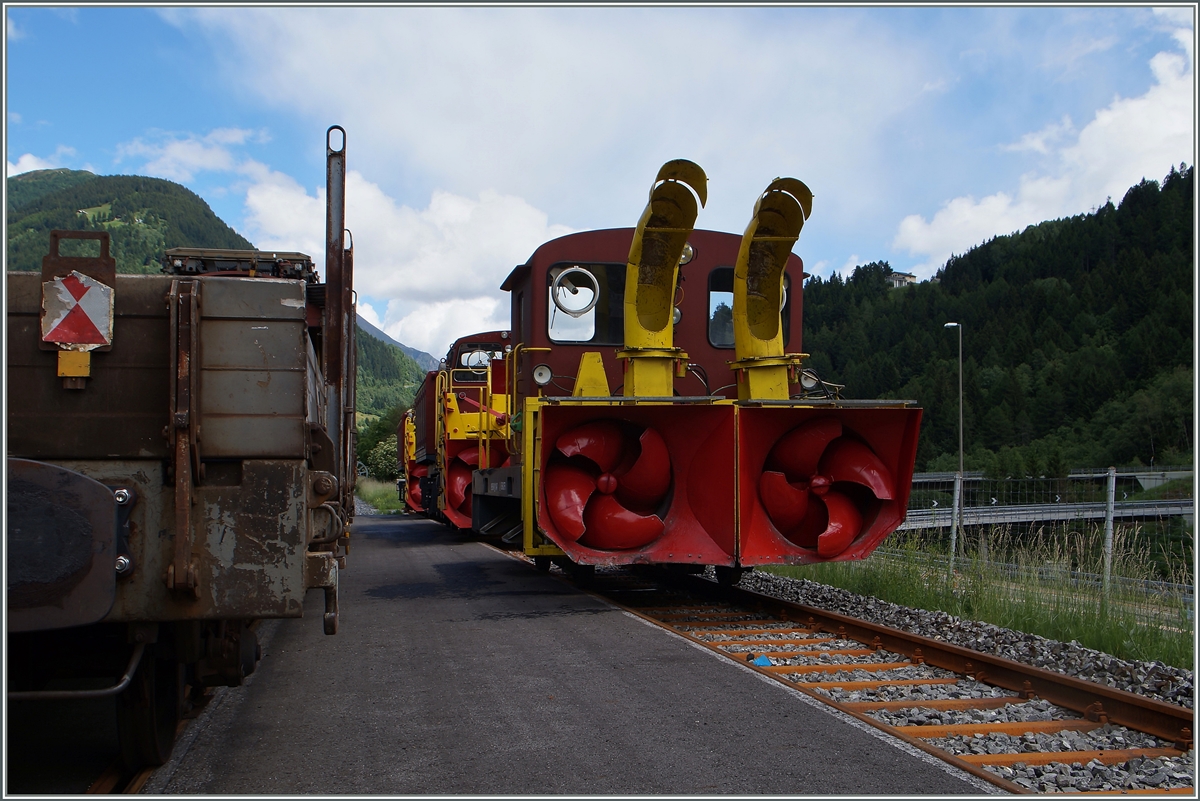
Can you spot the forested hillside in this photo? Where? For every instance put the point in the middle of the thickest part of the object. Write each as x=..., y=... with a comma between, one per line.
x=29, y=186
x=387, y=377
x=144, y=216
x=1077, y=340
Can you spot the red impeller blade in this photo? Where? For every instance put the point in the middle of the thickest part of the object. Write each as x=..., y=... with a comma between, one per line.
x=457, y=483
x=798, y=453
x=468, y=456
x=420, y=470
x=815, y=521
x=786, y=504
x=601, y=441
x=644, y=485
x=612, y=527
x=845, y=523
x=567, y=491
x=850, y=460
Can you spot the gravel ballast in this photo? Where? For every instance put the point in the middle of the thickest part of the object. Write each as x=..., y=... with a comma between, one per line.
x=1151, y=679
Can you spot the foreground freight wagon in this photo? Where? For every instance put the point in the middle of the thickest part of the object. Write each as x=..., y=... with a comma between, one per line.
x=643, y=408
x=180, y=466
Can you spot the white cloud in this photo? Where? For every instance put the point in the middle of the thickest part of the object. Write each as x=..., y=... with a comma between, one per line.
x=179, y=159
x=572, y=108
x=431, y=327
x=29, y=162
x=1177, y=16
x=438, y=269
x=12, y=32
x=367, y=312
x=14, y=118
x=1040, y=141
x=1130, y=139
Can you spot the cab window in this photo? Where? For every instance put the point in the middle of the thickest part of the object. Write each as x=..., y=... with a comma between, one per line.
x=720, y=307
x=586, y=303
x=471, y=362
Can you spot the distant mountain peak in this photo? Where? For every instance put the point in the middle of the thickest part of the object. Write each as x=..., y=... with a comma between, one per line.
x=422, y=358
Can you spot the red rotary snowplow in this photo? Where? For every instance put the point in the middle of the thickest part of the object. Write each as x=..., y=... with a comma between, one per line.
x=656, y=417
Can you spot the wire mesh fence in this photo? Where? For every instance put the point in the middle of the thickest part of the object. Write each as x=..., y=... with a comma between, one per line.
x=1110, y=537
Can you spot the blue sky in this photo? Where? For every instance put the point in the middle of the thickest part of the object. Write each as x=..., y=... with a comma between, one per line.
x=475, y=134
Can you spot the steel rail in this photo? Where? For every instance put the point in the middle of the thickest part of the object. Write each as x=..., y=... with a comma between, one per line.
x=1098, y=704
x=1094, y=701
x=975, y=770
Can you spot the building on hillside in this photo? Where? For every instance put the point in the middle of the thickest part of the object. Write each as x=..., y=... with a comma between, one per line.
x=901, y=279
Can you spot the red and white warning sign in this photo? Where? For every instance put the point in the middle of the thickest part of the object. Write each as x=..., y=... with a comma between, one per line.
x=78, y=312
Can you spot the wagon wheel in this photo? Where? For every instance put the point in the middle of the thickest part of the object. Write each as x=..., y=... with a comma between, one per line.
x=148, y=712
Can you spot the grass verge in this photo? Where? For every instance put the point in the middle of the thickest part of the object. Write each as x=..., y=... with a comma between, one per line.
x=1046, y=583
x=380, y=494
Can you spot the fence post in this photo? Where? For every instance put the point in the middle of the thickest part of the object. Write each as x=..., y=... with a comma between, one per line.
x=955, y=518
x=1108, y=539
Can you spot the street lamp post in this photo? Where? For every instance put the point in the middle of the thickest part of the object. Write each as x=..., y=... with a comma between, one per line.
x=956, y=521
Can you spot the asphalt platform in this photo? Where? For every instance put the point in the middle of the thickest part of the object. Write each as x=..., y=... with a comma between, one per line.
x=460, y=670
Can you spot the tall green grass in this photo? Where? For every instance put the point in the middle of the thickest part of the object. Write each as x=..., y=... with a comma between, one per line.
x=1038, y=583
x=380, y=494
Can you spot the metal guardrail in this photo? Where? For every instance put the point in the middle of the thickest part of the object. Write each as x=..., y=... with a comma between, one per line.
x=1164, y=472
x=942, y=517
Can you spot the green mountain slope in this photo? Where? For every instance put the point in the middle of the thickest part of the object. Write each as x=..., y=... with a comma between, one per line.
x=1077, y=340
x=29, y=186
x=387, y=376
x=144, y=216
x=386, y=381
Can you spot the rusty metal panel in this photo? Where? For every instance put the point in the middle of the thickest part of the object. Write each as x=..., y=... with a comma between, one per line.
x=249, y=542
x=249, y=436
x=60, y=541
x=253, y=356
x=249, y=393
x=123, y=410
x=254, y=298
x=315, y=407
x=256, y=344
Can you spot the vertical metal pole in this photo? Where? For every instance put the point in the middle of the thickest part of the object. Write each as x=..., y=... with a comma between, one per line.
x=335, y=244
x=958, y=479
x=960, y=403
x=955, y=517
x=334, y=333
x=1108, y=537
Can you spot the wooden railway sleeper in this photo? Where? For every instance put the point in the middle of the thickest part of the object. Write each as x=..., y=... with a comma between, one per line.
x=1159, y=718
x=1018, y=679
x=1154, y=717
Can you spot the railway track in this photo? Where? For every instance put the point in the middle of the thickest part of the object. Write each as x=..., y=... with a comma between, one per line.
x=1021, y=728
